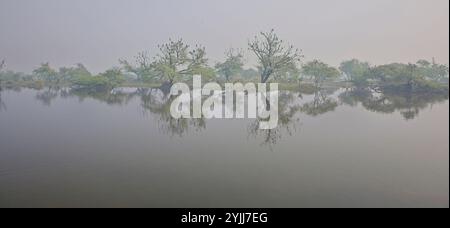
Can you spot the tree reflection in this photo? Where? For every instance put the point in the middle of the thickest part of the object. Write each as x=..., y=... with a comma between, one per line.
x=110, y=97
x=320, y=104
x=47, y=95
x=287, y=119
x=2, y=104
x=291, y=105
x=407, y=104
x=158, y=103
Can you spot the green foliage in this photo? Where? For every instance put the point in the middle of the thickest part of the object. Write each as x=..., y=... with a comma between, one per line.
x=273, y=56
x=433, y=71
x=206, y=72
x=107, y=80
x=355, y=71
x=175, y=62
x=171, y=61
x=91, y=82
x=249, y=74
x=11, y=76
x=143, y=69
x=17, y=79
x=408, y=77
x=114, y=76
x=69, y=73
x=288, y=73
x=47, y=74
x=232, y=65
x=319, y=72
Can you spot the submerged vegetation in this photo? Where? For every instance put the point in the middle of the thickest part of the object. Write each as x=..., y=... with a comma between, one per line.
x=177, y=61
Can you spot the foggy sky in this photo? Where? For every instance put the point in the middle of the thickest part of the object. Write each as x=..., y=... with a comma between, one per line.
x=99, y=32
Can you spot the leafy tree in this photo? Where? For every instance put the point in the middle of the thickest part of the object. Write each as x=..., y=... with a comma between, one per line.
x=143, y=67
x=273, y=56
x=106, y=80
x=439, y=73
x=405, y=78
x=232, y=65
x=288, y=73
x=319, y=72
x=355, y=71
x=198, y=63
x=433, y=71
x=396, y=73
x=175, y=61
x=46, y=73
x=114, y=76
x=71, y=73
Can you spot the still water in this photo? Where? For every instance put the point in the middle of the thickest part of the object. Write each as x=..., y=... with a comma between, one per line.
x=342, y=148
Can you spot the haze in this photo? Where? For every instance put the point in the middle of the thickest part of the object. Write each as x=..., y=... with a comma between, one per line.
x=98, y=33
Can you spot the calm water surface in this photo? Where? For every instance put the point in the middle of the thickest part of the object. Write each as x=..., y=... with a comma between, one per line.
x=63, y=148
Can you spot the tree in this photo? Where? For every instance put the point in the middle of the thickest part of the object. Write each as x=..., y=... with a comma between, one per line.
x=432, y=70
x=2, y=65
x=401, y=77
x=46, y=73
x=175, y=61
x=354, y=70
x=273, y=56
x=198, y=63
x=232, y=65
x=143, y=67
x=439, y=72
x=71, y=73
x=288, y=73
x=319, y=72
x=114, y=76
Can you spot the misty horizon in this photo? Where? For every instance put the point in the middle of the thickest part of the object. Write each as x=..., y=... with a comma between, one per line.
x=99, y=33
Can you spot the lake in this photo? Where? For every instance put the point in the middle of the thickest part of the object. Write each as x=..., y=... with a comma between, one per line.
x=334, y=148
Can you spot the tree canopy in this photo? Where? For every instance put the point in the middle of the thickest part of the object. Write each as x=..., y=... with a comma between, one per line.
x=273, y=55
x=232, y=65
x=143, y=67
x=354, y=70
x=319, y=71
x=46, y=73
x=175, y=61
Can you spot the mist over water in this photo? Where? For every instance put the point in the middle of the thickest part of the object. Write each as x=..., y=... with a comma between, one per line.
x=85, y=100
x=336, y=148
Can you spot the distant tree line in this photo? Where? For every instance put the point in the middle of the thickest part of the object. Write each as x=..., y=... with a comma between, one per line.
x=177, y=61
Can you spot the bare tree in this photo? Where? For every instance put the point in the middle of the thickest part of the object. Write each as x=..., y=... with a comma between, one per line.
x=273, y=56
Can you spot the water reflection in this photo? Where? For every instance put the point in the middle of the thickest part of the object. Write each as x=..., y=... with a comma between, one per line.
x=407, y=104
x=158, y=103
x=292, y=105
x=2, y=104
x=114, y=97
x=321, y=104
x=287, y=119
x=47, y=95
